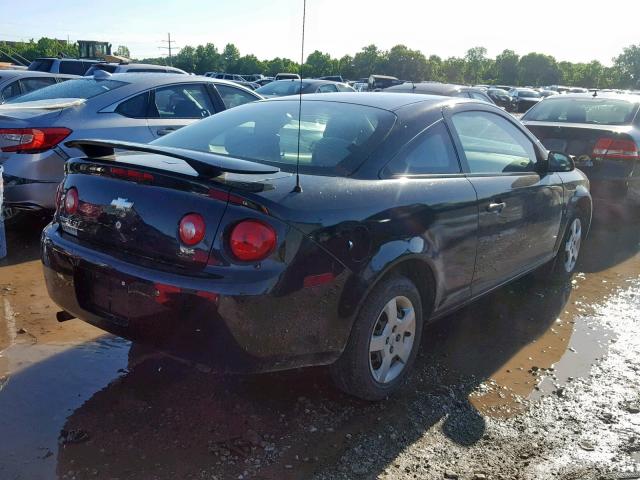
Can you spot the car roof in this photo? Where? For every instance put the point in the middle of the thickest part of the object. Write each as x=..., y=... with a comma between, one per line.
x=434, y=88
x=152, y=78
x=34, y=73
x=386, y=101
x=152, y=65
x=67, y=59
x=589, y=96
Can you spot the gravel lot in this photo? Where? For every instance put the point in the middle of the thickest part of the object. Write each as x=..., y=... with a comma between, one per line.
x=535, y=381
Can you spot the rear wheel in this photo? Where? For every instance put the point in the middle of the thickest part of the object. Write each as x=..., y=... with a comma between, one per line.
x=384, y=341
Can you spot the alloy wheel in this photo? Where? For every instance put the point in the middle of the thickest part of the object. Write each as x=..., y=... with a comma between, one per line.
x=572, y=245
x=392, y=339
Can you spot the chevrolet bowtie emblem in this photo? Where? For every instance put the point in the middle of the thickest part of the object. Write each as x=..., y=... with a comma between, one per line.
x=121, y=203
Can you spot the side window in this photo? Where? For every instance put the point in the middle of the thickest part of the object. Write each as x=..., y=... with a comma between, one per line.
x=232, y=97
x=31, y=84
x=430, y=153
x=74, y=68
x=492, y=144
x=136, y=107
x=189, y=100
x=327, y=88
x=10, y=91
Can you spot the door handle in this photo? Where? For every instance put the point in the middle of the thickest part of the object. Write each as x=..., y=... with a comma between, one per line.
x=496, y=207
x=165, y=131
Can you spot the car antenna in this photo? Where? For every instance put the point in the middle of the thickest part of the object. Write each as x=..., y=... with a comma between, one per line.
x=298, y=187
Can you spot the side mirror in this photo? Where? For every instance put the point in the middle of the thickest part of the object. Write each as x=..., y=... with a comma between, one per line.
x=560, y=162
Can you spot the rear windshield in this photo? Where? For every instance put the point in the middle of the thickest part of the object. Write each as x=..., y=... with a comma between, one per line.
x=281, y=89
x=598, y=111
x=335, y=138
x=77, y=88
x=41, y=65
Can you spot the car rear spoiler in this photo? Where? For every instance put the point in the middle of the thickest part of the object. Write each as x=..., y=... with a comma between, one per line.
x=205, y=164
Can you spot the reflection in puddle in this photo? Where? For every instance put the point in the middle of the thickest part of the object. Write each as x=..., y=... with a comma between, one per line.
x=43, y=385
x=571, y=343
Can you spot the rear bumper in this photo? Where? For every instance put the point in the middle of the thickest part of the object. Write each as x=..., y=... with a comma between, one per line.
x=30, y=196
x=198, y=318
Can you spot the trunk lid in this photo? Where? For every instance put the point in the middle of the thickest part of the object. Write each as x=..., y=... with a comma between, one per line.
x=579, y=140
x=21, y=115
x=133, y=211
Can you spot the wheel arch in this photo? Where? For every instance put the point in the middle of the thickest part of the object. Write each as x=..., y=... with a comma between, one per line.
x=416, y=268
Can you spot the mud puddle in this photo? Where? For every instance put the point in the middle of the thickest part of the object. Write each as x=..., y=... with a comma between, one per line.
x=72, y=405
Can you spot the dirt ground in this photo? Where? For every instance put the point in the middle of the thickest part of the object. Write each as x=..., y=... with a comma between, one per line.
x=535, y=381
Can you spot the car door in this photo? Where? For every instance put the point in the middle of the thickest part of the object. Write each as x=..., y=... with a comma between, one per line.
x=440, y=205
x=519, y=208
x=174, y=106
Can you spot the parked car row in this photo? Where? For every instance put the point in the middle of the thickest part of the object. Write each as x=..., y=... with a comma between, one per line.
x=125, y=106
x=321, y=227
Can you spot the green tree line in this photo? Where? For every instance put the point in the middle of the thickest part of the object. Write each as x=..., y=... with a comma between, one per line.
x=507, y=68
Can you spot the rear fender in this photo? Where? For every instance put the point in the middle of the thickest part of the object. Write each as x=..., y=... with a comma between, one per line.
x=394, y=257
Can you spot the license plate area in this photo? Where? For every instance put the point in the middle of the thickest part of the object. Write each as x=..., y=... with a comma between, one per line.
x=103, y=294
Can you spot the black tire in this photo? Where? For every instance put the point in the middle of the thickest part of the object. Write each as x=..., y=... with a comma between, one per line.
x=353, y=372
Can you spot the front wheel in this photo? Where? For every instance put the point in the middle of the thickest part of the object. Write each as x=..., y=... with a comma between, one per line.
x=384, y=341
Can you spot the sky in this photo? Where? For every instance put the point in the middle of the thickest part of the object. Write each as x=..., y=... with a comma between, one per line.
x=567, y=29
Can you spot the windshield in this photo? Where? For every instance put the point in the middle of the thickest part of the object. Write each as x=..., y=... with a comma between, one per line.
x=335, y=138
x=605, y=111
x=280, y=89
x=528, y=94
x=79, y=88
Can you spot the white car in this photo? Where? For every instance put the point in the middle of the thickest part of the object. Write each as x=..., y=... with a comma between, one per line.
x=132, y=68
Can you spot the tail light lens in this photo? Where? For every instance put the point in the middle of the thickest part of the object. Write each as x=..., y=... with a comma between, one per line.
x=71, y=201
x=31, y=140
x=191, y=229
x=618, y=148
x=252, y=240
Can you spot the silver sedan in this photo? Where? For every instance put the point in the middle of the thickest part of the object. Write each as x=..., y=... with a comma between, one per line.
x=138, y=107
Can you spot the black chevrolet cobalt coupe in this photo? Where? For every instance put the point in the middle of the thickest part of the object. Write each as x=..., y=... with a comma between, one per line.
x=207, y=244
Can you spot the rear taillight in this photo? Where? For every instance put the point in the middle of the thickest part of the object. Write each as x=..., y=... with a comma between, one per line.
x=617, y=148
x=191, y=229
x=71, y=201
x=31, y=140
x=133, y=175
x=251, y=240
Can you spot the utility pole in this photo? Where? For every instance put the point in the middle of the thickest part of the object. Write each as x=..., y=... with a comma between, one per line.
x=169, y=42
